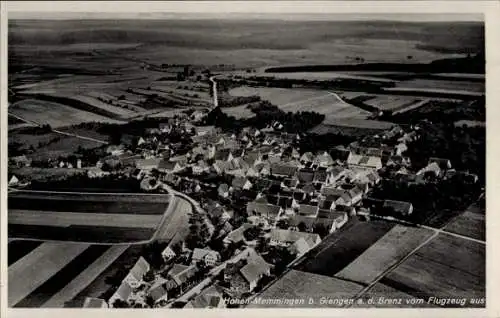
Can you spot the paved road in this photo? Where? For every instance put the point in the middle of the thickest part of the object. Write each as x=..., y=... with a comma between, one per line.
x=58, y=131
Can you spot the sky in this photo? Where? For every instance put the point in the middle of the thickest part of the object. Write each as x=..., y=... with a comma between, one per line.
x=286, y=10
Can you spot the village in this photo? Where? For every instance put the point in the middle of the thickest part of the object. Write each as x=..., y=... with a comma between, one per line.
x=264, y=204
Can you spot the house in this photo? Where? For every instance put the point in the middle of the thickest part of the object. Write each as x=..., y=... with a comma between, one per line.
x=305, y=175
x=199, y=168
x=13, y=181
x=165, y=127
x=432, y=168
x=324, y=159
x=91, y=302
x=20, y=161
x=180, y=274
x=211, y=297
x=95, y=172
x=336, y=174
x=223, y=191
x=252, y=157
x=218, y=213
x=444, y=164
x=306, y=157
x=279, y=237
x=400, y=148
x=398, y=207
x=122, y=293
x=266, y=210
x=310, y=211
x=168, y=253
x=244, y=275
x=135, y=275
x=158, y=291
x=115, y=150
x=281, y=170
x=338, y=196
x=138, y=174
x=236, y=236
x=371, y=162
x=252, y=172
x=209, y=257
x=239, y=183
x=148, y=164
x=168, y=166
x=197, y=115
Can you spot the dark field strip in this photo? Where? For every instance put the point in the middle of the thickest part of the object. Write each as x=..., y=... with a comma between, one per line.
x=100, y=197
x=98, y=286
x=341, y=248
x=97, y=234
x=404, y=288
x=85, y=206
x=63, y=277
x=18, y=249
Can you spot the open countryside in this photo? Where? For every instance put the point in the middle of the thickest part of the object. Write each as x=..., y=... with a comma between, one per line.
x=182, y=162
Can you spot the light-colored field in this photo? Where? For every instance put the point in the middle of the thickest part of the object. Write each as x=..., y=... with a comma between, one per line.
x=384, y=296
x=470, y=123
x=388, y=102
x=446, y=267
x=296, y=100
x=38, y=266
x=322, y=76
x=238, y=112
x=83, y=279
x=387, y=251
x=64, y=219
x=96, y=103
x=303, y=285
x=54, y=114
x=357, y=123
x=176, y=221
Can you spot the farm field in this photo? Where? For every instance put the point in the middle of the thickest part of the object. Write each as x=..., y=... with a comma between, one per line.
x=469, y=224
x=39, y=295
x=356, y=123
x=238, y=112
x=176, y=222
x=81, y=233
x=380, y=292
x=54, y=114
x=295, y=100
x=84, y=278
x=443, y=84
x=324, y=76
x=44, y=174
x=303, y=285
x=393, y=102
x=470, y=123
x=67, y=218
x=434, y=271
x=18, y=249
x=49, y=258
x=340, y=248
x=387, y=251
x=89, y=203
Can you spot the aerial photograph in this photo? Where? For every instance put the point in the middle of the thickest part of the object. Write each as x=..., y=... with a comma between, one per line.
x=246, y=160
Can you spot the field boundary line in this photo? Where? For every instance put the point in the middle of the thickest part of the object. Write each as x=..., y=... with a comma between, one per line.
x=84, y=278
x=393, y=267
x=58, y=131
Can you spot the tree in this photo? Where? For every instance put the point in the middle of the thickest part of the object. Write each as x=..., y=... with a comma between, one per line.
x=283, y=224
x=120, y=304
x=149, y=301
x=149, y=276
x=302, y=227
x=252, y=233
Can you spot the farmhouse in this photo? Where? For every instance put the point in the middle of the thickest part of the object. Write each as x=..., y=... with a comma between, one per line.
x=239, y=183
x=269, y=211
x=13, y=181
x=122, y=293
x=236, y=236
x=181, y=273
x=135, y=275
x=168, y=166
x=211, y=297
x=20, y=161
x=281, y=237
x=444, y=164
x=432, y=168
x=370, y=162
x=281, y=170
x=223, y=191
x=91, y=302
x=148, y=164
x=209, y=257
x=158, y=291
